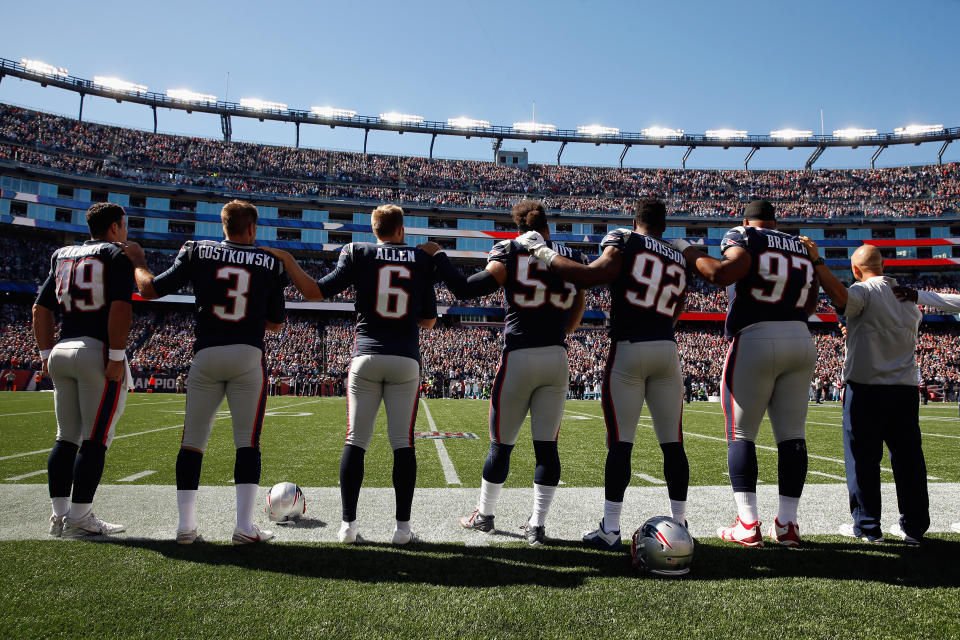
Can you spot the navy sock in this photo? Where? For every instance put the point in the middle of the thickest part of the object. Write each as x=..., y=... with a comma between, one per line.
x=351, y=477
x=676, y=470
x=60, y=468
x=188, y=469
x=616, y=472
x=497, y=465
x=246, y=468
x=404, y=480
x=742, y=464
x=87, y=470
x=792, y=467
x=547, y=472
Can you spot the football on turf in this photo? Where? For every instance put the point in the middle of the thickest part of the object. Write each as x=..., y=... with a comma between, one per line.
x=285, y=503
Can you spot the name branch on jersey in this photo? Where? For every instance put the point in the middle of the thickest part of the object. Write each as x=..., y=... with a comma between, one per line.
x=238, y=288
x=650, y=286
x=394, y=291
x=537, y=301
x=778, y=284
x=83, y=282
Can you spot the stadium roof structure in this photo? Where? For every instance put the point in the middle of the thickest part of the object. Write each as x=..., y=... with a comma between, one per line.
x=122, y=91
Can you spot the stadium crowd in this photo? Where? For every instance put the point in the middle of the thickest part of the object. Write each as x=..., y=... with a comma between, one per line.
x=65, y=144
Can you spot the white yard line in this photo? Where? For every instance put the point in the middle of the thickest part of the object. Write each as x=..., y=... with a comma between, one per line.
x=26, y=475
x=826, y=475
x=449, y=471
x=652, y=479
x=136, y=476
x=135, y=404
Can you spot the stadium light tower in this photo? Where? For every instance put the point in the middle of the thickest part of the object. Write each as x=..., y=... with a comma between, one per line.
x=853, y=132
x=533, y=127
x=256, y=104
x=186, y=95
x=116, y=84
x=597, y=130
x=726, y=134
x=395, y=117
x=918, y=129
x=333, y=112
x=464, y=122
x=790, y=134
x=38, y=66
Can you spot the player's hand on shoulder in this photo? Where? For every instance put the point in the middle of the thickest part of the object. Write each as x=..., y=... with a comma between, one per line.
x=905, y=294
x=430, y=248
x=530, y=240
x=133, y=251
x=279, y=254
x=811, y=247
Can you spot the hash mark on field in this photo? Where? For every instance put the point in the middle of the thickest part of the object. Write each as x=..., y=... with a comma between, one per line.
x=652, y=479
x=449, y=471
x=26, y=475
x=826, y=475
x=136, y=476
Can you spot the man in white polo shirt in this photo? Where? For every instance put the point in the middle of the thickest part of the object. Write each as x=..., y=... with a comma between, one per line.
x=880, y=402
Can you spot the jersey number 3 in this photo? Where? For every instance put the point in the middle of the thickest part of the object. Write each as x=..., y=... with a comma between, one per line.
x=237, y=310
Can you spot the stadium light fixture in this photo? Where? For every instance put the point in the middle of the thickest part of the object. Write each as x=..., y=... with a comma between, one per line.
x=464, y=122
x=190, y=96
x=918, y=129
x=661, y=132
x=262, y=105
x=533, y=127
x=332, y=112
x=110, y=82
x=394, y=117
x=726, y=134
x=853, y=132
x=790, y=134
x=597, y=130
x=38, y=66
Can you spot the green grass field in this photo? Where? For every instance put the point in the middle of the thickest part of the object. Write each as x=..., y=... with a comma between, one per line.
x=830, y=588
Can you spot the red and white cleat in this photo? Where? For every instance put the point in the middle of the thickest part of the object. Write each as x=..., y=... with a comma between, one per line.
x=746, y=534
x=787, y=535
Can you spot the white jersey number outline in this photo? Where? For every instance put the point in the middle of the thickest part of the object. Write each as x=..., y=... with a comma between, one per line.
x=653, y=281
x=391, y=297
x=538, y=298
x=85, y=274
x=772, y=266
x=239, y=291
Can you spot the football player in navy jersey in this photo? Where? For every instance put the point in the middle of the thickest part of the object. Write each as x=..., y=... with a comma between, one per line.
x=239, y=295
x=394, y=298
x=648, y=280
x=90, y=286
x=772, y=290
x=533, y=375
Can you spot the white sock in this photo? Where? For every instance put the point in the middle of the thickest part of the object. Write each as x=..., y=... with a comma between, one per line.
x=746, y=506
x=788, y=510
x=61, y=506
x=679, y=510
x=79, y=510
x=489, y=492
x=187, y=508
x=352, y=525
x=542, y=497
x=246, y=497
x=403, y=526
x=611, y=515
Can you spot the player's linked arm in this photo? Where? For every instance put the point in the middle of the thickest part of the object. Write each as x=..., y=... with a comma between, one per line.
x=306, y=285
x=734, y=266
x=835, y=290
x=603, y=270
x=480, y=284
x=141, y=272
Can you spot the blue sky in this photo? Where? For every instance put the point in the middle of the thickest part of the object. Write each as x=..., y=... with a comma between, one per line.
x=690, y=65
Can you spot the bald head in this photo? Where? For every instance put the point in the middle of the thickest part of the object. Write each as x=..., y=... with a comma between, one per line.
x=868, y=260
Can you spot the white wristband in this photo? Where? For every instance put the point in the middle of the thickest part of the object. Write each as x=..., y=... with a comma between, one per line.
x=45, y=353
x=680, y=245
x=117, y=354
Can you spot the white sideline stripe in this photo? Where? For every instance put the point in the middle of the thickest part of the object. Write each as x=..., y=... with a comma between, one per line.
x=449, y=471
x=652, y=479
x=137, y=433
x=26, y=475
x=137, y=404
x=136, y=476
x=826, y=475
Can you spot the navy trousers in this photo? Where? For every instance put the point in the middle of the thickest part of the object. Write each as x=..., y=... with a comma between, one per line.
x=874, y=415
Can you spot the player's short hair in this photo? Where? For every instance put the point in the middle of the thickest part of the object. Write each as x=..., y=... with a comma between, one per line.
x=237, y=215
x=101, y=215
x=650, y=212
x=529, y=215
x=386, y=220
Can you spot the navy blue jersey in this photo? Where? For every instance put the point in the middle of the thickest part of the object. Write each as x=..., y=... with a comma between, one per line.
x=778, y=285
x=651, y=283
x=394, y=285
x=238, y=288
x=83, y=282
x=537, y=301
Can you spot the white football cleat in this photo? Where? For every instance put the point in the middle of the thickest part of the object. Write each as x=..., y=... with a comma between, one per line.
x=786, y=535
x=56, y=525
x=846, y=529
x=348, y=533
x=404, y=537
x=748, y=535
x=896, y=530
x=88, y=526
x=601, y=539
x=254, y=536
x=189, y=537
